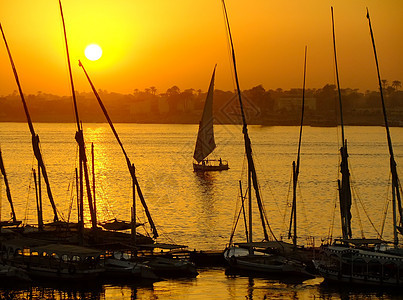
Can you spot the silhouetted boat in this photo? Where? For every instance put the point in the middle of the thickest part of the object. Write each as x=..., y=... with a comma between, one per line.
x=120, y=269
x=245, y=256
x=117, y=225
x=53, y=261
x=205, y=143
x=363, y=261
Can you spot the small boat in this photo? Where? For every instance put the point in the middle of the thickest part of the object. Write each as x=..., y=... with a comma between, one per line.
x=128, y=270
x=245, y=256
x=264, y=263
x=171, y=267
x=205, y=143
x=116, y=225
x=363, y=261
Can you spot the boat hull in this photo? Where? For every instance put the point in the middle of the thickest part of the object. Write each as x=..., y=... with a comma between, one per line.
x=209, y=168
x=264, y=264
x=360, y=266
x=355, y=279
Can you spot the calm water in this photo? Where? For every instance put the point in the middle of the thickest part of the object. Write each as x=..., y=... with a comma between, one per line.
x=198, y=210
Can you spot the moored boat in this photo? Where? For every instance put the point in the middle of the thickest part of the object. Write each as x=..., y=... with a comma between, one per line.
x=361, y=261
x=364, y=261
x=128, y=270
x=46, y=261
x=248, y=258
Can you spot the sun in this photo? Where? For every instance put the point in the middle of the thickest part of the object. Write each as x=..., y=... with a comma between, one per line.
x=93, y=52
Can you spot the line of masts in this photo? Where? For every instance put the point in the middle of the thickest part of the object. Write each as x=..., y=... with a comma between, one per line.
x=83, y=167
x=344, y=184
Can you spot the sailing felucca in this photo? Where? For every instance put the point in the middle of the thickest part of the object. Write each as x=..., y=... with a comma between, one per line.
x=363, y=261
x=245, y=256
x=205, y=143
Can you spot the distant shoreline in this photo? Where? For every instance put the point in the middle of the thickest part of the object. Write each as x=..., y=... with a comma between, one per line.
x=393, y=124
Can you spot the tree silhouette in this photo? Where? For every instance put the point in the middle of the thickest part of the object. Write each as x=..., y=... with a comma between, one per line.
x=173, y=91
x=396, y=84
x=384, y=84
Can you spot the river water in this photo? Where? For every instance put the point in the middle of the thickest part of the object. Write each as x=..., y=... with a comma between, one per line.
x=198, y=210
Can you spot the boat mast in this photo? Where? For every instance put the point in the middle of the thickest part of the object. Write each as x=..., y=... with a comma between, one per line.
x=344, y=184
x=93, y=177
x=34, y=136
x=295, y=169
x=38, y=200
x=10, y=200
x=79, y=134
x=395, y=179
x=248, y=146
x=131, y=167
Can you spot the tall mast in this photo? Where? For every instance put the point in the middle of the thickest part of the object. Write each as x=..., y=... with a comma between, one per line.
x=131, y=167
x=79, y=134
x=10, y=200
x=344, y=184
x=295, y=168
x=34, y=136
x=395, y=179
x=248, y=146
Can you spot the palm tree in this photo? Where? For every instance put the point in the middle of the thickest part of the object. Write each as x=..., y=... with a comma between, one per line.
x=396, y=84
x=384, y=84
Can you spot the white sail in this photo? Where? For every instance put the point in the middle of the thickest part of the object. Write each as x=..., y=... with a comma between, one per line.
x=205, y=143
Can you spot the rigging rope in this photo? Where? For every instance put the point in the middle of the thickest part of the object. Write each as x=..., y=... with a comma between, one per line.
x=288, y=204
x=25, y=221
x=331, y=228
x=301, y=198
x=357, y=197
x=72, y=184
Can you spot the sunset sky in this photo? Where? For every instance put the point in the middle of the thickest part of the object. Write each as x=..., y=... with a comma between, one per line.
x=164, y=43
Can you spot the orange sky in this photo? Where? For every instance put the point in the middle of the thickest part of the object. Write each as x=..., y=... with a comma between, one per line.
x=164, y=43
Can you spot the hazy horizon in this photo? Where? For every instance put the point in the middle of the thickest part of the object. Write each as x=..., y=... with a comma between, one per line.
x=163, y=44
